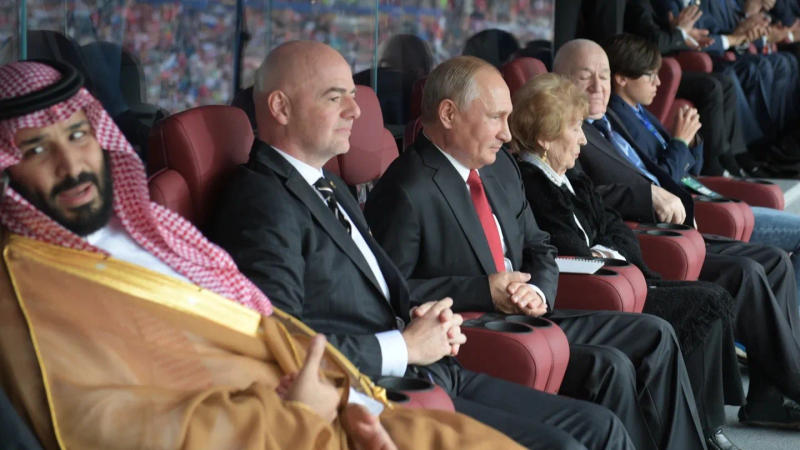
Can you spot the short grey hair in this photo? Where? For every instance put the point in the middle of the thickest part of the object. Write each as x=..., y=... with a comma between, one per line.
x=453, y=79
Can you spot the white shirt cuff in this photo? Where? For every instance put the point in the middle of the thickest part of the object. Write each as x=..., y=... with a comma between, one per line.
x=375, y=407
x=790, y=37
x=394, y=353
x=538, y=291
x=724, y=41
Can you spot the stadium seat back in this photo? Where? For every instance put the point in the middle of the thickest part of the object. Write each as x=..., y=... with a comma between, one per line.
x=201, y=146
x=518, y=71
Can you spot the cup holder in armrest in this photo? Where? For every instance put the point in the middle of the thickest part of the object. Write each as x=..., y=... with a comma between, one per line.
x=507, y=327
x=666, y=226
x=405, y=384
x=606, y=273
x=397, y=397
x=536, y=322
x=703, y=198
x=415, y=393
x=533, y=354
x=658, y=233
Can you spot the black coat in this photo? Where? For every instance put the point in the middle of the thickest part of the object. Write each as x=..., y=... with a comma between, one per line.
x=690, y=306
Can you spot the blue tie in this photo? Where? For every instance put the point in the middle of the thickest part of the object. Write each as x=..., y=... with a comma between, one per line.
x=624, y=147
x=650, y=127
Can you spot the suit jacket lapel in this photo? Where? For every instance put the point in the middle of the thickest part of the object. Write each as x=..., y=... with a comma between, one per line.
x=398, y=290
x=501, y=209
x=306, y=194
x=455, y=193
x=594, y=136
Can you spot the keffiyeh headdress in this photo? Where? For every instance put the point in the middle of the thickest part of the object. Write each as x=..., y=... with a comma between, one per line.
x=165, y=234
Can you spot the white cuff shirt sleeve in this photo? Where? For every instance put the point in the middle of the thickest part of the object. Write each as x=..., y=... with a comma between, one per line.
x=373, y=406
x=394, y=353
x=725, y=42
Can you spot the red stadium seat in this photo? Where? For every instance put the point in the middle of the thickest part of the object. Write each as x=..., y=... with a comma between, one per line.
x=618, y=286
x=190, y=154
x=726, y=217
x=518, y=71
x=670, y=76
x=694, y=61
x=415, y=108
x=372, y=147
x=677, y=252
x=526, y=350
x=753, y=192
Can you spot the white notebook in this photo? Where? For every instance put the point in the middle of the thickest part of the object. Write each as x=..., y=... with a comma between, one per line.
x=578, y=265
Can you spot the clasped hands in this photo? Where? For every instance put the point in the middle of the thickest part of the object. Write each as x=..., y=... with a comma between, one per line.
x=434, y=332
x=511, y=294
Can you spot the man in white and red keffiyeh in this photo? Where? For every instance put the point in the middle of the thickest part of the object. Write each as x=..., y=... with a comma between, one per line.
x=65, y=197
x=129, y=358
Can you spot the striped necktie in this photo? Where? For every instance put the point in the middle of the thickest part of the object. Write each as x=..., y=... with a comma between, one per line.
x=326, y=188
x=624, y=148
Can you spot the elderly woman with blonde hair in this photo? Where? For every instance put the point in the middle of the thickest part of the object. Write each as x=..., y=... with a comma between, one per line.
x=547, y=137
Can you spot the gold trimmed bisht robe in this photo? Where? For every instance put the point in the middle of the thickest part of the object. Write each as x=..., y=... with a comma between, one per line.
x=100, y=353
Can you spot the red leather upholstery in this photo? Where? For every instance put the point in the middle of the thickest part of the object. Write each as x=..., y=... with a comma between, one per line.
x=726, y=217
x=416, y=393
x=611, y=288
x=753, y=192
x=168, y=188
x=694, y=61
x=676, y=252
x=410, y=134
x=372, y=147
x=670, y=76
x=415, y=108
x=534, y=354
x=518, y=71
x=200, y=145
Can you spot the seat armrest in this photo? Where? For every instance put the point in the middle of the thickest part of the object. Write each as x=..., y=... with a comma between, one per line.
x=530, y=351
x=676, y=254
x=606, y=289
x=416, y=393
x=695, y=61
x=726, y=217
x=754, y=192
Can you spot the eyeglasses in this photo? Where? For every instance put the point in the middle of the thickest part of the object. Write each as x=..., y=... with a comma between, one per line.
x=651, y=76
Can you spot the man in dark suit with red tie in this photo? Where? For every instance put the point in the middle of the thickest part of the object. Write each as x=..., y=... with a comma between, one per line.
x=451, y=212
x=297, y=233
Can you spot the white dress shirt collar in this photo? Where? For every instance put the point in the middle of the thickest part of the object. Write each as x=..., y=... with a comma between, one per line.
x=462, y=170
x=558, y=180
x=309, y=173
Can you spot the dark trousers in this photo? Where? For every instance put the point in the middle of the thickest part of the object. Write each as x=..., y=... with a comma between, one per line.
x=761, y=279
x=640, y=349
x=715, y=96
x=535, y=419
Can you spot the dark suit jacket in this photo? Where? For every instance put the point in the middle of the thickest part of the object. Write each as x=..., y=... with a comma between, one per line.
x=677, y=159
x=642, y=19
x=619, y=182
x=287, y=241
x=421, y=213
x=716, y=19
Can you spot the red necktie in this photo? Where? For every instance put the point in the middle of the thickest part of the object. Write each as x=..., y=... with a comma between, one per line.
x=487, y=220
